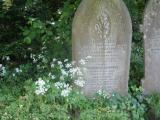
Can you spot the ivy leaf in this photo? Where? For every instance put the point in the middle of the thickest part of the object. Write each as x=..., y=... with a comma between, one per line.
x=27, y=40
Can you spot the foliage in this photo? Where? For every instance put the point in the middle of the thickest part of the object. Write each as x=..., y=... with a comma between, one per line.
x=136, y=9
x=153, y=107
x=35, y=86
x=25, y=28
x=57, y=95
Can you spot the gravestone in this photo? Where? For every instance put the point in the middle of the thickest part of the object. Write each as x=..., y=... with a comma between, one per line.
x=151, y=29
x=102, y=29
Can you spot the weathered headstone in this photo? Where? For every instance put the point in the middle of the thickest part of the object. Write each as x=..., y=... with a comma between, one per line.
x=102, y=29
x=151, y=29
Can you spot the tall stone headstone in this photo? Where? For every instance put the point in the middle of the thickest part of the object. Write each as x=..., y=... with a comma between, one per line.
x=151, y=29
x=102, y=29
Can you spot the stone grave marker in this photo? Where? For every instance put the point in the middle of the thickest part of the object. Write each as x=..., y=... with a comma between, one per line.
x=151, y=30
x=102, y=29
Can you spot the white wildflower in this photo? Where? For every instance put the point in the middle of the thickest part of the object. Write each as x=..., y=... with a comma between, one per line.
x=7, y=58
x=57, y=38
x=61, y=77
x=38, y=66
x=100, y=92
x=65, y=85
x=58, y=85
x=59, y=11
x=64, y=73
x=61, y=85
x=54, y=59
x=82, y=62
x=44, y=60
x=66, y=60
x=43, y=48
x=103, y=94
x=59, y=63
x=65, y=88
x=113, y=95
x=2, y=70
x=53, y=76
x=18, y=70
x=40, y=82
x=79, y=72
x=49, y=74
x=88, y=57
x=79, y=83
x=13, y=74
x=68, y=65
x=40, y=56
x=34, y=60
x=52, y=65
x=74, y=70
x=41, y=91
x=66, y=92
x=52, y=23
x=32, y=56
x=41, y=87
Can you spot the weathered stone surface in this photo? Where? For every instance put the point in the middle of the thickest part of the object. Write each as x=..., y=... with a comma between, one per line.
x=151, y=30
x=102, y=29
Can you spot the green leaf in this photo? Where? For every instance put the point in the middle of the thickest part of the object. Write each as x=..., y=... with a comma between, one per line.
x=27, y=40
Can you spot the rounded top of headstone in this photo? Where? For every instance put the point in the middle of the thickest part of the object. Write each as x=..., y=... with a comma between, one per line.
x=108, y=13
x=152, y=12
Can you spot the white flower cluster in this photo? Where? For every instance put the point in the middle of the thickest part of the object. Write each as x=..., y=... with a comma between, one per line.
x=103, y=94
x=69, y=70
x=65, y=88
x=7, y=58
x=75, y=71
x=78, y=72
x=79, y=82
x=51, y=76
x=36, y=58
x=58, y=62
x=33, y=57
x=82, y=62
x=18, y=70
x=63, y=67
x=2, y=70
x=59, y=12
x=41, y=87
x=68, y=65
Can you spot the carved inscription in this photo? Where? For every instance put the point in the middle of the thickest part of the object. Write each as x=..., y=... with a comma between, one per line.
x=102, y=29
x=106, y=66
x=155, y=41
x=151, y=83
